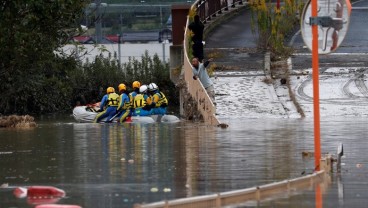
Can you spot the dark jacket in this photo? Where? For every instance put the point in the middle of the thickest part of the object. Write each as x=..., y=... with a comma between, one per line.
x=197, y=28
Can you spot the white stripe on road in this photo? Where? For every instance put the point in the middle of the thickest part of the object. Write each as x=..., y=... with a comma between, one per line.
x=359, y=8
x=334, y=54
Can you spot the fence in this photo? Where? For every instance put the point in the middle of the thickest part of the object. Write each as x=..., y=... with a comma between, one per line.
x=207, y=9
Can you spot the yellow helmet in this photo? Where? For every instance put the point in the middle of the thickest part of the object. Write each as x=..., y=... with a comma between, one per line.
x=136, y=84
x=110, y=90
x=121, y=87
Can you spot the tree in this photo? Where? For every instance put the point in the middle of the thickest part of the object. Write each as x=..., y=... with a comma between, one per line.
x=32, y=73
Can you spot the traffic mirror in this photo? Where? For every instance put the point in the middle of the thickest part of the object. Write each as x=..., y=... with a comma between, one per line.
x=332, y=20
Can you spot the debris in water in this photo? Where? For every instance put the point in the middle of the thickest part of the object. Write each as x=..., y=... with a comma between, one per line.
x=122, y=159
x=223, y=125
x=167, y=190
x=15, y=121
x=359, y=165
x=154, y=189
x=307, y=154
x=131, y=161
x=4, y=185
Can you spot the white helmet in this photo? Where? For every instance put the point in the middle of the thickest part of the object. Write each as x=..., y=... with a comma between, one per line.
x=152, y=87
x=143, y=89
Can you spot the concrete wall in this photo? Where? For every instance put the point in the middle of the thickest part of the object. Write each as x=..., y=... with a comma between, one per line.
x=192, y=93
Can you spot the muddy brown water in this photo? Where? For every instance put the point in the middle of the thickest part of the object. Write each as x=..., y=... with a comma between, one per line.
x=112, y=165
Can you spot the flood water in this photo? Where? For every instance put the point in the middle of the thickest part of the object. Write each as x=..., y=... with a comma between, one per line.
x=114, y=165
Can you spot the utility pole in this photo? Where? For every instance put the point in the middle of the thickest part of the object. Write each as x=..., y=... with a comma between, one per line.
x=98, y=23
x=119, y=51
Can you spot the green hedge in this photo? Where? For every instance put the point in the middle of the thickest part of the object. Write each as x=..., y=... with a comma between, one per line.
x=60, y=83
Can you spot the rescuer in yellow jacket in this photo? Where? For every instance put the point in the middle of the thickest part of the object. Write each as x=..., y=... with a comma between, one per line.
x=135, y=85
x=157, y=101
x=124, y=103
x=108, y=106
x=140, y=103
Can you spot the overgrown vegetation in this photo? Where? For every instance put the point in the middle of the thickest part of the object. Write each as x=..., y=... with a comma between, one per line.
x=32, y=76
x=189, y=34
x=273, y=24
x=36, y=79
x=92, y=79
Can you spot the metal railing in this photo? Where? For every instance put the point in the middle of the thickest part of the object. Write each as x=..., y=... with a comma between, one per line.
x=208, y=9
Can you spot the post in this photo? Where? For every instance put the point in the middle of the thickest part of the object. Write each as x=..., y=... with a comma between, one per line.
x=98, y=24
x=315, y=66
x=119, y=52
x=163, y=51
x=318, y=195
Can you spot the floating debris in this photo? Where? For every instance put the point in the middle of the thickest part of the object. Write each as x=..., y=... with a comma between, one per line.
x=223, y=125
x=154, y=189
x=167, y=190
x=15, y=121
x=39, y=194
x=6, y=153
x=307, y=154
x=4, y=185
x=131, y=161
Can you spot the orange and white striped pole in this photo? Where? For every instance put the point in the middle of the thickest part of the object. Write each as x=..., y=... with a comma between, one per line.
x=315, y=68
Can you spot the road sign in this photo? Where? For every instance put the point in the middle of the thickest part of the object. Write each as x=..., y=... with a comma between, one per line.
x=333, y=21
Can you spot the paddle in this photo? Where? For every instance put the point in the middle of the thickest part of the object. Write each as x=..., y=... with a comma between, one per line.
x=112, y=118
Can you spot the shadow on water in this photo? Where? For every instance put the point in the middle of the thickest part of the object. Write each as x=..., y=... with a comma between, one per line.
x=113, y=165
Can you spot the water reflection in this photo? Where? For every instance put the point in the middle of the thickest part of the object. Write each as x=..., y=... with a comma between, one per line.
x=113, y=165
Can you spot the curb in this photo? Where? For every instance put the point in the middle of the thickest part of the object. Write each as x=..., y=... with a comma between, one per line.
x=268, y=75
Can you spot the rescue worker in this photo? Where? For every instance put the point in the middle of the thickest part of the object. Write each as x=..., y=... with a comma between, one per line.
x=157, y=101
x=124, y=103
x=140, y=103
x=136, y=85
x=108, y=105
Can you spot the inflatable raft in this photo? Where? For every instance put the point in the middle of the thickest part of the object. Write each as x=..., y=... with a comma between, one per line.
x=85, y=114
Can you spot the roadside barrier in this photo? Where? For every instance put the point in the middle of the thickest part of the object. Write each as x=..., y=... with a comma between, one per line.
x=245, y=195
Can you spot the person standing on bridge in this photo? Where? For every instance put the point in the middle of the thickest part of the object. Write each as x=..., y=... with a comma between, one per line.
x=197, y=28
x=200, y=71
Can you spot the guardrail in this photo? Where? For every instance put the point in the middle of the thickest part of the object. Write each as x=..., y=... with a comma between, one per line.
x=251, y=194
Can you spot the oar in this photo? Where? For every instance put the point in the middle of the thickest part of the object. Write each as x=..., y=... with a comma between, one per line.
x=112, y=118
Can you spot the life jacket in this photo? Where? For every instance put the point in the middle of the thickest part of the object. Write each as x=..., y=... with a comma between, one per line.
x=162, y=99
x=131, y=97
x=113, y=99
x=139, y=101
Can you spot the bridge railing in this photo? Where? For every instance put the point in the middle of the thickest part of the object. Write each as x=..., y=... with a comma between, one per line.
x=207, y=10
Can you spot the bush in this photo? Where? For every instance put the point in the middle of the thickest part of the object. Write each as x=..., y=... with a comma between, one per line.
x=273, y=24
x=59, y=83
x=92, y=79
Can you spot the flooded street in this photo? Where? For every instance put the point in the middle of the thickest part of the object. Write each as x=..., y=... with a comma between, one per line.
x=112, y=165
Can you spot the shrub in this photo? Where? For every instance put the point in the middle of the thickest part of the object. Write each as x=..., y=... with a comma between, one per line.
x=92, y=79
x=273, y=24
